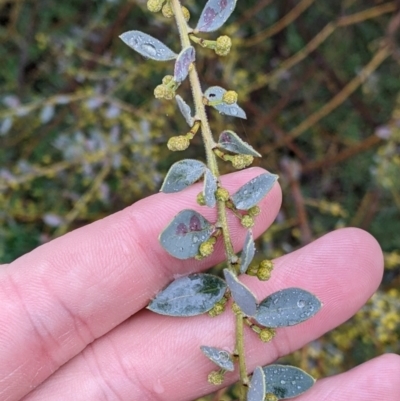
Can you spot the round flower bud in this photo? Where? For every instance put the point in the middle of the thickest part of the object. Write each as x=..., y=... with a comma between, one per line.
x=252, y=270
x=267, y=335
x=267, y=264
x=154, y=5
x=167, y=11
x=230, y=97
x=159, y=92
x=200, y=199
x=169, y=93
x=223, y=45
x=247, y=221
x=206, y=248
x=167, y=79
x=215, y=378
x=178, y=143
x=254, y=211
x=263, y=273
x=186, y=13
x=241, y=161
x=271, y=397
x=222, y=194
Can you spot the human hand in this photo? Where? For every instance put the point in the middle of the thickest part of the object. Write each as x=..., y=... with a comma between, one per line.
x=73, y=325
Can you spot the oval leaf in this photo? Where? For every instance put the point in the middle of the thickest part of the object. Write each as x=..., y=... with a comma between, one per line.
x=210, y=186
x=220, y=357
x=257, y=388
x=232, y=110
x=244, y=298
x=252, y=192
x=185, y=110
x=185, y=58
x=148, y=46
x=230, y=141
x=248, y=252
x=214, y=93
x=189, y=296
x=215, y=14
x=182, y=174
x=287, y=308
x=286, y=381
x=185, y=233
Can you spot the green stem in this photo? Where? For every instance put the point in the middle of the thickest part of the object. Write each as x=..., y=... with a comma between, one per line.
x=209, y=144
x=240, y=349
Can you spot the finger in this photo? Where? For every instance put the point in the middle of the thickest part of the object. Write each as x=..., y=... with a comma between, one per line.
x=152, y=357
x=60, y=297
x=374, y=380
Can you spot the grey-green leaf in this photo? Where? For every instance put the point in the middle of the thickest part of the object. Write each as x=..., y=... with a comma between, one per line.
x=185, y=58
x=182, y=174
x=248, y=252
x=287, y=308
x=185, y=110
x=232, y=110
x=230, y=141
x=219, y=356
x=252, y=192
x=210, y=186
x=244, y=298
x=286, y=381
x=189, y=296
x=183, y=236
x=257, y=389
x=148, y=46
x=214, y=93
x=215, y=14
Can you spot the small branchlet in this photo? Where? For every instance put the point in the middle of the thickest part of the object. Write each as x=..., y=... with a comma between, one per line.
x=191, y=235
x=221, y=46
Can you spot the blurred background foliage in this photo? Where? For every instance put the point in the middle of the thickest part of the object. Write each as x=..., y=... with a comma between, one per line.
x=81, y=135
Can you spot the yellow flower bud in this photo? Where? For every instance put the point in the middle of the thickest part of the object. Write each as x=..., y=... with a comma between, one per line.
x=215, y=378
x=254, y=211
x=267, y=264
x=223, y=45
x=200, y=199
x=267, y=335
x=271, y=397
x=154, y=5
x=222, y=194
x=186, y=13
x=230, y=97
x=206, y=248
x=159, y=92
x=247, y=221
x=263, y=273
x=169, y=93
x=178, y=143
x=167, y=79
x=241, y=161
x=167, y=11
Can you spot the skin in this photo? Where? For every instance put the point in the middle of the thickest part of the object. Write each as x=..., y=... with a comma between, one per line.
x=74, y=327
